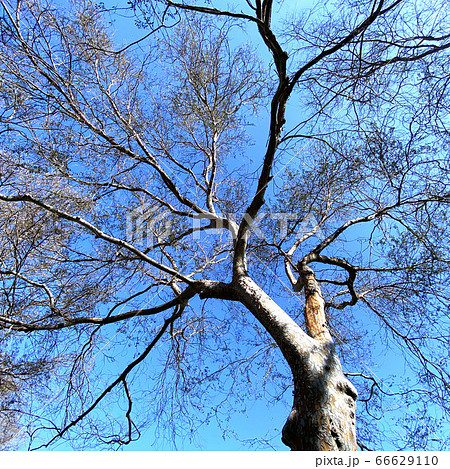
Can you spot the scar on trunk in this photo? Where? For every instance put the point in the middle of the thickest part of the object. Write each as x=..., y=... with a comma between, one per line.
x=315, y=319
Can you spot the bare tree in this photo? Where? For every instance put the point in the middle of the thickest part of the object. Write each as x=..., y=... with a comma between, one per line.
x=8, y=419
x=135, y=199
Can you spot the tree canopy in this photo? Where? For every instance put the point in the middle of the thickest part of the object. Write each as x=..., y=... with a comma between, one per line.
x=204, y=217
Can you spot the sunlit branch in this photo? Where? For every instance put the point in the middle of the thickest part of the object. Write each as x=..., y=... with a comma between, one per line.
x=97, y=232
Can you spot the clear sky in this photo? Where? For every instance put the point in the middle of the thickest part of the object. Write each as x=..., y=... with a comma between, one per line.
x=261, y=419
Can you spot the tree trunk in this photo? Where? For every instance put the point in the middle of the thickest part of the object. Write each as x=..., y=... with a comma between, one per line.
x=323, y=412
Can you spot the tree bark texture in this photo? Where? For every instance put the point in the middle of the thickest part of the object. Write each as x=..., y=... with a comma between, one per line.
x=323, y=413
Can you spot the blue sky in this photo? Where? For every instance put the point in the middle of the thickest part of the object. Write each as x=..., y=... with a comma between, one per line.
x=260, y=418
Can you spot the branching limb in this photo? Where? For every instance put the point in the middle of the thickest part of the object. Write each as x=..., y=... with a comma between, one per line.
x=97, y=232
x=212, y=11
x=51, y=299
x=122, y=377
x=351, y=270
x=363, y=26
x=433, y=369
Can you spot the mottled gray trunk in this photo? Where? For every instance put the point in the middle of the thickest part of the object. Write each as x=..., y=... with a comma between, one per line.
x=323, y=412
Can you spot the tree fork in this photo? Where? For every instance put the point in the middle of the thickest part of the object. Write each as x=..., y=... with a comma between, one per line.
x=323, y=412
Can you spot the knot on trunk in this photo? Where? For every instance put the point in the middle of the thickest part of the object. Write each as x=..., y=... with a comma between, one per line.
x=307, y=280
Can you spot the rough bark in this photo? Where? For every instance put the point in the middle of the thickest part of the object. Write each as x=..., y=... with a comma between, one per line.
x=323, y=413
